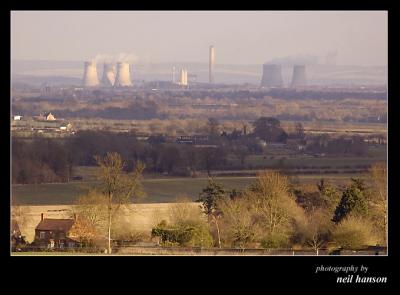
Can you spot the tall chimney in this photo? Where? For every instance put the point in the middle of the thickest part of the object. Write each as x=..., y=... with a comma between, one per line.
x=211, y=64
x=272, y=76
x=108, y=75
x=299, y=76
x=123, y=77
x=173, y=75
x=90, y=78
x=41, y=216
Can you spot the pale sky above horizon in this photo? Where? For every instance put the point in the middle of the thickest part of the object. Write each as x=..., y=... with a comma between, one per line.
x=239, y=37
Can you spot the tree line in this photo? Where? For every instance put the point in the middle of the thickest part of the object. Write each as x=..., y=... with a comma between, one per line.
x=272, y=212
x=41, y=160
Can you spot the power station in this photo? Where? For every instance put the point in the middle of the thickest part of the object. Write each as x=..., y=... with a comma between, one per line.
x=90, y=78
x=119, y=75
x=272, y=76
x=123, y=77
x=299, y=77
x=211, y=64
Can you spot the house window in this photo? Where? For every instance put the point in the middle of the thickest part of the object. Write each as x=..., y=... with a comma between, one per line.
x=61, y=245
x=42, y=234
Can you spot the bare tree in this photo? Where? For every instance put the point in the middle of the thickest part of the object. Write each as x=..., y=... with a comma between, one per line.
x=183, y=210
x=241, y=227
x=84, y=230
x=378, y=196
x=118, y=188
x=90, y=212
x=318, y=226
x=20, y=214
x=272, y=203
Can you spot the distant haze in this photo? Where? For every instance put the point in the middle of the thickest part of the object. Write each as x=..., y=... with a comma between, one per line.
x=239, y=37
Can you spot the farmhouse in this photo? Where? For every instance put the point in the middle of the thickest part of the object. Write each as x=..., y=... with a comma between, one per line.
x=44, y=124
x=54, y=233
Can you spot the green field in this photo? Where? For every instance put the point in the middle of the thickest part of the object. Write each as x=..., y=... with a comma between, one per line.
x=158, y=190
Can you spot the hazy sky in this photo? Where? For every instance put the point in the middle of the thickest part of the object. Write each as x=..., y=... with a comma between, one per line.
x=248, y=37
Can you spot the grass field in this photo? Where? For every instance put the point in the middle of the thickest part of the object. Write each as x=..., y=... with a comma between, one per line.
x=158, y=190
x=166, y=190
x=331, y=162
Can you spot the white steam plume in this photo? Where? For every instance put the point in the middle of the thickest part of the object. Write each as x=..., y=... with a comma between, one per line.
x=113, y=58
x=295, y=59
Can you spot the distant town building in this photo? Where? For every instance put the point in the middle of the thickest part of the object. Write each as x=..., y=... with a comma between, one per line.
x=196, y=140
x=44, y=124
x=66, y=127
x=17, y=118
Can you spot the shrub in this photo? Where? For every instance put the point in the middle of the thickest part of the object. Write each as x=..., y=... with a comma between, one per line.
x=275, y=240
x=184, y=234
x=354, y=233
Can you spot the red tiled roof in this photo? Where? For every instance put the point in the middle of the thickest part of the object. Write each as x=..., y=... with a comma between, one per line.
x=55, y=224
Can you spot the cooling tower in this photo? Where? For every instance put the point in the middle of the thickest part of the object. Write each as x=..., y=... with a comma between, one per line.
x=108, y=75
x=299, y=76
x=90, y=78
x=211, y=64
x=123, y=77
x=272, y=76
